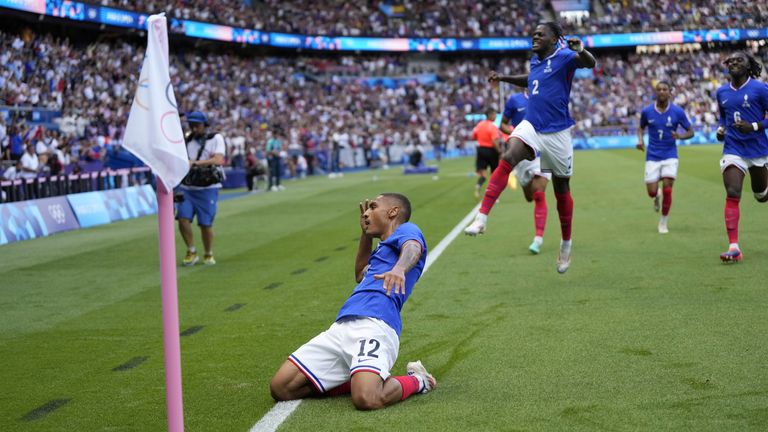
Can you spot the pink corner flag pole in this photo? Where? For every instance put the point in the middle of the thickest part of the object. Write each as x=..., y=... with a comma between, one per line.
x=171, y=342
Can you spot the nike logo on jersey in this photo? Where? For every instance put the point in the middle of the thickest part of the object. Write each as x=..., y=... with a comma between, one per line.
x=724, y=101
x=363, y=360
x=651, y=121
x=520, y=109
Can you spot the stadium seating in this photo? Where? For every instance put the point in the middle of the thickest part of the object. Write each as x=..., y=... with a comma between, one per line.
x=463, y=18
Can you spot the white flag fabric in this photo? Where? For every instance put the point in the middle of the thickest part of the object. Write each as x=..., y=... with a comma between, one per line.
x=153, y=132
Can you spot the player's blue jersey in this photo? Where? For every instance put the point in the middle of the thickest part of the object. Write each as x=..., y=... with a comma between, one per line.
x=661, y=144
x=515, y=108
x=549, y=91
x=369, y=299
x=750, y=104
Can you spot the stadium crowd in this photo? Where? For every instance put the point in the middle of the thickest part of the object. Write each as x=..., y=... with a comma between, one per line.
x=665, y=15
x=329, y=102
x=465, y=18
x=459, y=18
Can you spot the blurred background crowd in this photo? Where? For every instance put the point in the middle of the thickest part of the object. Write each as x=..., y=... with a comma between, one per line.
x=368, y=103
x=459, y=18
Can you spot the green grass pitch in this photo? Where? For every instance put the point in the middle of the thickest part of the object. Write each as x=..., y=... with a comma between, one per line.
x=644, y=332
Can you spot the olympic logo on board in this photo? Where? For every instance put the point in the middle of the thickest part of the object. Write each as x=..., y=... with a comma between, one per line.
x=57, y=213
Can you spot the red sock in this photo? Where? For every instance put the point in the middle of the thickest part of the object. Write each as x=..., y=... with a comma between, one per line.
x=565, y=211
x=540, y=212
x=666, y=201
x=409, y=383
x=496, y=186
x=343, y=389
x=732, y=219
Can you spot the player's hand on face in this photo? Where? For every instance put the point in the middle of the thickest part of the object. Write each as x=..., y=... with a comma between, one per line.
x=363, y=208
x=640, y=146
x=574, y=44
x=393, y=279
x=493, y=77
x=743, y=127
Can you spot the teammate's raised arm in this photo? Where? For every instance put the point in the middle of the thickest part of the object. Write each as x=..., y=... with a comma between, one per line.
x=520, y=80
x=586, y=59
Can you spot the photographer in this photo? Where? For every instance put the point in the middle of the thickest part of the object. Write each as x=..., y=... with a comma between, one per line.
x=200, y=189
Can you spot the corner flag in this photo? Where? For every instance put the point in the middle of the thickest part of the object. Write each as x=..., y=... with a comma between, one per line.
x=153, y=132
x=154, y=135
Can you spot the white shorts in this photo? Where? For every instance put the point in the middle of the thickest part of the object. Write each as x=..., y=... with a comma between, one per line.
x=347, y=347
x=555, y=149
x=656, y=170
x=742, y=163
x=526, y=170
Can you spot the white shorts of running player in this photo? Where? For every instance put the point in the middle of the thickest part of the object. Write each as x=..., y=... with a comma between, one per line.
x=555, y=149
x=741, y=163
x=526, y=170
x=657, y=170
x=346, y=348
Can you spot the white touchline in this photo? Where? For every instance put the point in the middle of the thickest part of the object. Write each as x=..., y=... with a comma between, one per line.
x=280, y=412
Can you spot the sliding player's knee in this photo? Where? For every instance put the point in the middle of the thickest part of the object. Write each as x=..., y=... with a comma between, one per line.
x=366, y=401
x=281, y=389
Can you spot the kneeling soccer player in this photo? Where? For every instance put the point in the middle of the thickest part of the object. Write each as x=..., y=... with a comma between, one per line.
x=357, y=352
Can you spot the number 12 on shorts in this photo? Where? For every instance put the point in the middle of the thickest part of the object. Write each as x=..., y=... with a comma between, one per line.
x=373, y=345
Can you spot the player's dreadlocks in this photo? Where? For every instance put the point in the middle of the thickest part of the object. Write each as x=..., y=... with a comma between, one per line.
x=556, y=29
x=754, y=68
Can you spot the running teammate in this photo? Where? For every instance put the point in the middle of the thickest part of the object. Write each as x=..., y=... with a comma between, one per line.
x=528, y=173
x=546, y=128
x=743, y=105
x=663, y=119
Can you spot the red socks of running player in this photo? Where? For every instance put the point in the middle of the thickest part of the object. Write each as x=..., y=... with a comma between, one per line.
x=732, y=219
x=565, y=211
x=666, y=201
x=539, y=212
x=496, y=186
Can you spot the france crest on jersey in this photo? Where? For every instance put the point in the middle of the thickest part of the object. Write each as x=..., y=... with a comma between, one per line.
x=369, y=299
x=549, y=91
x=661, y=144
x=515, y=108
x=748, y=103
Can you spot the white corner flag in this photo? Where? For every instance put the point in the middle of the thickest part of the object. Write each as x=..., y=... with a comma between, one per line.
x=153, y=132
x=154, y=135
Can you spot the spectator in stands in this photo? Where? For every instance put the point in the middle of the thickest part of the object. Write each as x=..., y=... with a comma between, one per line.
x=201, y=193
x=13, y=172
x=30, y=163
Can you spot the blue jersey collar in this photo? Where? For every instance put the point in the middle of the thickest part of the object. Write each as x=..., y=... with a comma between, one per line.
x=742, y=86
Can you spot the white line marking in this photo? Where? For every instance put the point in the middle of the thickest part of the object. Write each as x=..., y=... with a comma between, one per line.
x=435, y=253
x=276, y=416
x=282, y=410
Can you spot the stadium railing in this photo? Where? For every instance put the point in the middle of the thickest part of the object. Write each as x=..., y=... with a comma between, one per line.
x=65, y=184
